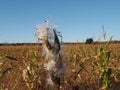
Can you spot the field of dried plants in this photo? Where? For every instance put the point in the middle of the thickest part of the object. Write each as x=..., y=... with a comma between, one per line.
x=89, y=67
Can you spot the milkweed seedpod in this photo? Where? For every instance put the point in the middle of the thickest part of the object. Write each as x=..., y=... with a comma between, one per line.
x=53, y=63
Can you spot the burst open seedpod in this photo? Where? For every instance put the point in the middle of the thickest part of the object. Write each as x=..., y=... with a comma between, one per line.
x=53, y=63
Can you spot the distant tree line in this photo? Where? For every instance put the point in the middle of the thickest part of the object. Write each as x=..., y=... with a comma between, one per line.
x=89, y=41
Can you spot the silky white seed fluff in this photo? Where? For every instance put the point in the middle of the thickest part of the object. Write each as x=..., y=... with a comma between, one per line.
x=49, y=81
x=52, y=63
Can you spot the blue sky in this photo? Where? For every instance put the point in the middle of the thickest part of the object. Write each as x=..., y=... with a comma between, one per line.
x=76, y=19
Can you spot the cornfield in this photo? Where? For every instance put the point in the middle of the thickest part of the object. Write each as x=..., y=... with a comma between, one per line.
x=89, y=67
